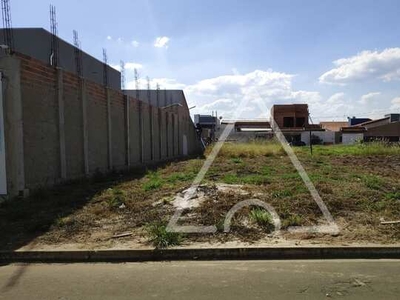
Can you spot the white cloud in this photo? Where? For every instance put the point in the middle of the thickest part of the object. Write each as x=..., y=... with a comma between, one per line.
x=109, y=37
x=369, y=98
x=224, y=93
x=395, y=103
x=384, y=65
x=133, y=66
x=161, y=42
x=135, y=43
x=119, y=40
x=336, y=98
x=306, y=97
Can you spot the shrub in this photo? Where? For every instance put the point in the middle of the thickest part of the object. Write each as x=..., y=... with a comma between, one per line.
x=373, y=182
x=160, y=237
x=180, y=177
x=154, y=182
x=237, y=160
x=393, y=196
x=292, y=220
x=261, y=217
x=116, y=198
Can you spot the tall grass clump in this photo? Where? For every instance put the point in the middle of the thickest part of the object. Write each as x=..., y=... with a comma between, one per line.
x=262, y=218
x=153, y=182
x=251, y=149
x=160, y=237
x=358, y=149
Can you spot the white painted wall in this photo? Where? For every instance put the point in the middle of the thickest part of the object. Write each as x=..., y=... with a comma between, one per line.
x=351, y=138
x=3, y=178
x=326, y=136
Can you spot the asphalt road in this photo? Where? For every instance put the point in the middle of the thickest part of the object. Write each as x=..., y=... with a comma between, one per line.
x=329, y=279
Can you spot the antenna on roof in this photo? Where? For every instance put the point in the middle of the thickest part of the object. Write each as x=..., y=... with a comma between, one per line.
x=122, y=67
x=136, y=82
x=54, y=39
x=105, y=68
x=78, y=53
x=148, y=90
x=7, y=25
x=158, y=94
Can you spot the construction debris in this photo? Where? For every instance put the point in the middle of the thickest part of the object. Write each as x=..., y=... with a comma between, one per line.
x=390, y=222
x=122, y=235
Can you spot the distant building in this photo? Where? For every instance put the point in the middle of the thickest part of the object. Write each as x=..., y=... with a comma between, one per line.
x=292, y=120
x=207, y=126
x=247, y=130
x=356, y=121
x=290, y=116
x=387, y=128
x=333, y=126
x=351, y=135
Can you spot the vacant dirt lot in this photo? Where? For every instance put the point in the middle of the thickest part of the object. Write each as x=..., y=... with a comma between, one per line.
x=359, y=184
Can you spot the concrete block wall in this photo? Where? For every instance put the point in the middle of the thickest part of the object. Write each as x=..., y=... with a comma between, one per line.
x=163, y=132
x=59, y=126
x=146, y=147
x=73, y=124
x=118, y=123
x=97, y=127
x=40, y=122
x=134, y=132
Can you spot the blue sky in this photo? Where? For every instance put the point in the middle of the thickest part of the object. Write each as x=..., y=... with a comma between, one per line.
x=222, y=51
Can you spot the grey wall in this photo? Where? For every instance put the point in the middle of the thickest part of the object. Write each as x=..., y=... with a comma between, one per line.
x=36, y=43
x=165, y=97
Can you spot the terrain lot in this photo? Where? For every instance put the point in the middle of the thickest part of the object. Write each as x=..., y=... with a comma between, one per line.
x=359, y=184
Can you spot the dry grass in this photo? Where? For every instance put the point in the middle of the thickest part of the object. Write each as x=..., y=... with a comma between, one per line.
x=252, y=149
x=358, y=187
x=361, y=149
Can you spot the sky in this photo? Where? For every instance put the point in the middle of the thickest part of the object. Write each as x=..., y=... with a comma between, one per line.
x=341, y=57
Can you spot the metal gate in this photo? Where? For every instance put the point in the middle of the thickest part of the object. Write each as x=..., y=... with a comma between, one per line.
x=3, y=178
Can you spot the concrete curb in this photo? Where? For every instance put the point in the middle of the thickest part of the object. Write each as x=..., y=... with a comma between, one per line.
x=200, y=254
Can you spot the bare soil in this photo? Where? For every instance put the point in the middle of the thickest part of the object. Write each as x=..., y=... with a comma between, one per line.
x=360, y=192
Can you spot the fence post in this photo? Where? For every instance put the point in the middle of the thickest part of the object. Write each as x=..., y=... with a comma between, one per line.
x=140, y=132
x=109, y=128
x=127, y=131
x=13, y=124
x=85, y=126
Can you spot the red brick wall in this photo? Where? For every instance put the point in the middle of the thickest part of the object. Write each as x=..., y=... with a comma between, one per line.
x=41, y=132
x=40, y=122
